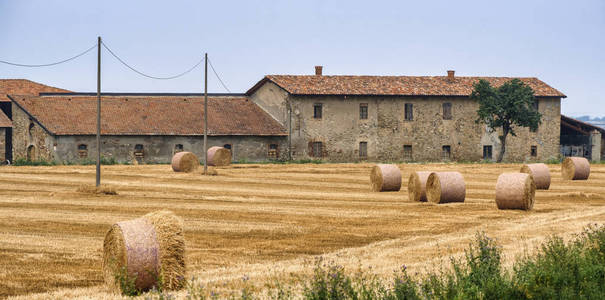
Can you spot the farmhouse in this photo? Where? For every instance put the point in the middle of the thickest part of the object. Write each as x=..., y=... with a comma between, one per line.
x=399, y=118
x=21, y=87
x=148, y=128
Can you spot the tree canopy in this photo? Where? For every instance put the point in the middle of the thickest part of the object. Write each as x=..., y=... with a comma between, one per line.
x=506, y=107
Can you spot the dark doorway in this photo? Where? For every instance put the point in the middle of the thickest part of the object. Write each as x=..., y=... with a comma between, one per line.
x=8, y=144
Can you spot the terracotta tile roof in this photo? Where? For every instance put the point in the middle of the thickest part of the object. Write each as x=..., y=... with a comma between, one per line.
x=393, y=85
x=24, y=87
x=5, y=121
x=149, y=115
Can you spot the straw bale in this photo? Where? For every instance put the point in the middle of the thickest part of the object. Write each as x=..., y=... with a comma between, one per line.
x=417, y=185
x=575, y=168
x=185, y=162
x=540, y=173
x=146, y=250
x=219, y=156
x=385, y=178
x=515, y=191
x=445, y=187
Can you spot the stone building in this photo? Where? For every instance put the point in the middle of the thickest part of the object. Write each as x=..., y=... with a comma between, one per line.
x=20, y=87
x=582, y=139
x=399, y=118
x=147, y=127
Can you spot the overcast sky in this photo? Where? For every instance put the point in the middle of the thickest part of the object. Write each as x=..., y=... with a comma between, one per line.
x=560, y=42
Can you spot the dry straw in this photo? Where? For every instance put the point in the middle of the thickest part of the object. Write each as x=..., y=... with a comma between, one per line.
x=219, y=156
x=147, y=250
x=97, y=190
x=445, y=187
x=385, y=178
x=575, y=168
x=515, y=191
x=540, y=173
x=417, y=185
x=185, y=162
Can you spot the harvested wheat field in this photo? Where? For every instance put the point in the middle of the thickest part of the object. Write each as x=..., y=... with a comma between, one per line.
x=264, y=220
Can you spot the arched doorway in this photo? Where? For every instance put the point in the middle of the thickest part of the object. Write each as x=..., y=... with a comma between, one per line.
x=31, y=153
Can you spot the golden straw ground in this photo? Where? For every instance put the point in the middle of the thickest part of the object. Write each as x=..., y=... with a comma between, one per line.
x=256, y=220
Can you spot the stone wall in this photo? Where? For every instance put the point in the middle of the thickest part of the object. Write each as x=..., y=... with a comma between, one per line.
x=2, y=144
x=28, y=135
x=386, y=131
x=159, y=149
x=273, y=100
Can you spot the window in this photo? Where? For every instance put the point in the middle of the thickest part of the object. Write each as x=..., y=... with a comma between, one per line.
x=407, y=152
x=178, y=148
x=227, y=146
x=82, y=151
x=363, y=111
x=446, y=152
x=317, y=110
x=409, y=112
x=534, y=151
x=487, y=152
x=316, y=149
x=447, y=111
x=363, y=149
x=536, y=105
x=30, y=130
x=138, y=151
x=273, y=151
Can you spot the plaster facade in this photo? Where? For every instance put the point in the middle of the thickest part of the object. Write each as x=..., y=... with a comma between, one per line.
x=2, y=144
x=386, y=130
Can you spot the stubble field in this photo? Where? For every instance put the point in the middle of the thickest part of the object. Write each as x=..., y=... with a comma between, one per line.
x=264, y=220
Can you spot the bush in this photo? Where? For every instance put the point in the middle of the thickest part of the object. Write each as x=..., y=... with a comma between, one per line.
x=38, y=162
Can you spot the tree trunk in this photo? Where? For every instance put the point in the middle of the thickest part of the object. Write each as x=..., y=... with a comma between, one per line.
x=502, y=143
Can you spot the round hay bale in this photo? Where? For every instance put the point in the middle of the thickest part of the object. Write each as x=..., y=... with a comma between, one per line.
x=138, y=253
x=385, y=178
x=575, y=168
x=417, y=185
x=219, y=156
x=540, y=173
x=185, y=162
x=515, y=191
x=445, y=187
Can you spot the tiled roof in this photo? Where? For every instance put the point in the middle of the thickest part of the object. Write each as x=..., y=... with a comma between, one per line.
x=24, y=87
x=393, y=85
x=5, y=121
x=149, y=115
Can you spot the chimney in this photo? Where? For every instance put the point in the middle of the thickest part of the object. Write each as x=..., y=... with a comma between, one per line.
x=318, y=70
x=450, y=75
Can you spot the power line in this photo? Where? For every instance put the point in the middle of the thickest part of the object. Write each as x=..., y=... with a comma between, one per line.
x=149, y=76
x=51, y=64
x=219, y=78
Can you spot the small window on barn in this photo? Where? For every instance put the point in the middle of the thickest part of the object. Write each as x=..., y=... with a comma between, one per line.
x=487, y=152
x=227, y=146
x=138, y=151
x=446, y=152
x=273, y=151
x=407, y=152
x=363, y=149
x=178, y=148
x=30, y=130
x=363, y=111
x=82, y=151
x=317, y=149
x=409, y=112
x=534, y=151
x=536, y=105
x=317, y=110
x=447, y=111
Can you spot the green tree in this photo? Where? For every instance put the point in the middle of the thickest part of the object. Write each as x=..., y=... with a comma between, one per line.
x=506, y=107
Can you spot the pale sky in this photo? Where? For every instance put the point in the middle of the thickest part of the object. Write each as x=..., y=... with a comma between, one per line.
x=560, y=42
